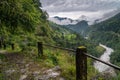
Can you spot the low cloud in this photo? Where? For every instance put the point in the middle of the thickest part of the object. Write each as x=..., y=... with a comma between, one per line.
x=79, y=5
x=75, y=8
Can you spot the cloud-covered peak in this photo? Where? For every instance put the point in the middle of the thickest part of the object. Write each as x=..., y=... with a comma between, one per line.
x=75, y=8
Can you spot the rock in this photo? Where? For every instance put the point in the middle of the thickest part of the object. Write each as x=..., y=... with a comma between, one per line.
x=36, y=73
x=23, y=71
x=43, y=77
x=62, y=78
x=47, y=71
x=10, y=71
x=53, y=74
x=27, y=65
x=20, y=62
x=57, y=68
x=23, y=77
x=49, y=74
x=106, y=75
x=111, y=72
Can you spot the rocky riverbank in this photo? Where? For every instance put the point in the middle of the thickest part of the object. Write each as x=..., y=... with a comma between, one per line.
x=105, y=71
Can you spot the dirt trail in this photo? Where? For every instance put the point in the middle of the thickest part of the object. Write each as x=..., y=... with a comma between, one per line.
x=17, y=66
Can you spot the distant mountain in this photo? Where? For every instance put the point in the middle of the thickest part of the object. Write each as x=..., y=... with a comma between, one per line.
x=107, y=16
x=91, y=21
x=80, y=27
x=62, y=20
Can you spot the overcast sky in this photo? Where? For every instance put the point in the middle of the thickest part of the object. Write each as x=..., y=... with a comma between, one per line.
x=74, y=9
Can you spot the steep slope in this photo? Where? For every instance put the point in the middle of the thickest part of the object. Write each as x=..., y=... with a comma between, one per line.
x=23, y=19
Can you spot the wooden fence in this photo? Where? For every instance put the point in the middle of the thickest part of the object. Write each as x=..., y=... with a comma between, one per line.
x=81, y=59
x=4, y=45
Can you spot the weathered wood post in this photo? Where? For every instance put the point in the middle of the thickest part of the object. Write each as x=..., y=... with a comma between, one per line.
x=4, y=46
x=12, y=46
x=0, y=43
x=40, y=49
x=81, y=63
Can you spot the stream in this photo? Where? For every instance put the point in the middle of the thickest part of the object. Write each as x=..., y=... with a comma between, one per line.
x=105, y=57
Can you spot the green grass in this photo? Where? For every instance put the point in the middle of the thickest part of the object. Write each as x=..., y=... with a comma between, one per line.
x=2, y=56
x=100, y=49
x=55, y=57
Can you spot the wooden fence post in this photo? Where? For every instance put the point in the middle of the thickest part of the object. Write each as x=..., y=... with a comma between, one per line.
x=12, y=46
x=4, y=46
x=81, y=63
x=0, y=45
x=40, y=49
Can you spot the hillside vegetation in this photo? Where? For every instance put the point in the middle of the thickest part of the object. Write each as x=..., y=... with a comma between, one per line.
x=80, y=27
x=108, y=33
x=23, y=23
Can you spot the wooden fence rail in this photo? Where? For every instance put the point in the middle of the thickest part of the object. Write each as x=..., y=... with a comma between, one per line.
x=81, y=59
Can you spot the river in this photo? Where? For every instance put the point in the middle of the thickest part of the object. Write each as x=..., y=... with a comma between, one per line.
x=105, y=57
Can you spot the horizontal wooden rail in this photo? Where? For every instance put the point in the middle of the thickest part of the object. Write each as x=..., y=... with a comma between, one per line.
x=81, y=59
x=97, y=59
x=72, y=50
x=88, y=55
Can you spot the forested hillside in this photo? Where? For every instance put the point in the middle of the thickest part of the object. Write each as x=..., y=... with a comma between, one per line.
x=20, y=18
x=108, y=33
x=24, y=14
x=80, y=27
x=23, y=23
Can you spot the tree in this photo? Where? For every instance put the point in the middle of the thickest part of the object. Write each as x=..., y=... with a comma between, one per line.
x=20, y=14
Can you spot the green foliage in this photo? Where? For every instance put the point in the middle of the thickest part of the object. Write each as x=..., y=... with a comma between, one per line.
x=1, y=76
x=2, y=56
x=80, y=27
x=69, y=39
x=115, y=57
x=90, y=69
x=117, y=77
x=108, y=33
x=19, y=17
x=20, y=14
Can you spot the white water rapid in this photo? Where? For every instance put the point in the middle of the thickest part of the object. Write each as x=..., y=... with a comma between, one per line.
x=105, y=57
